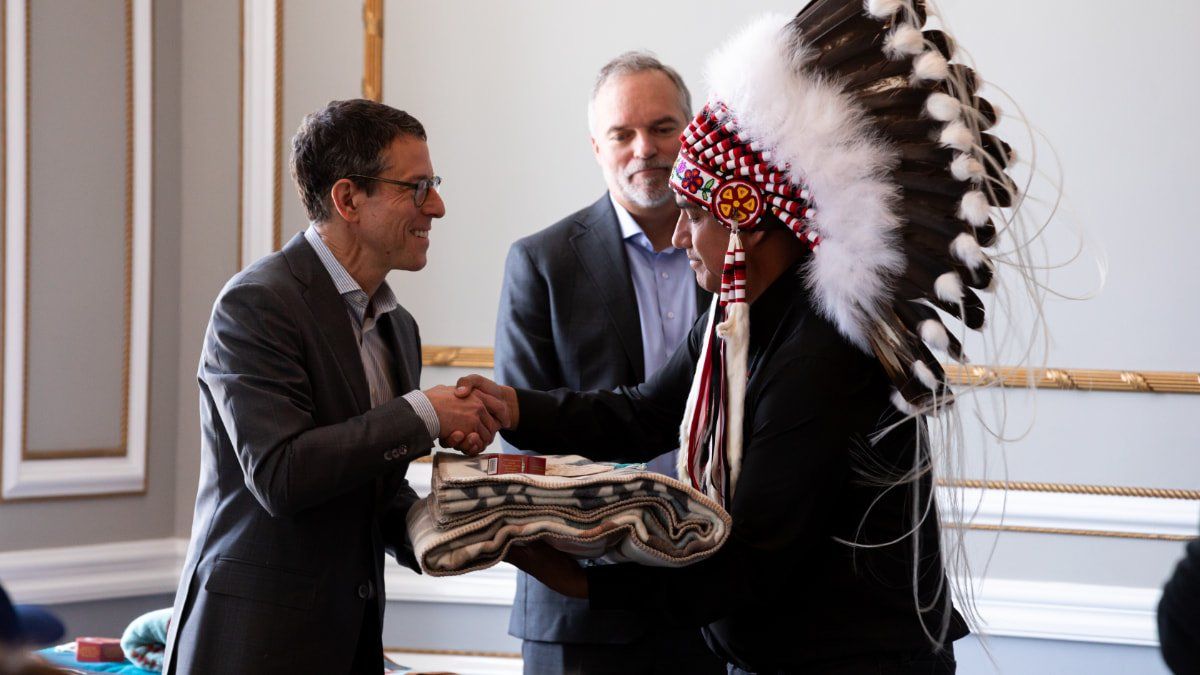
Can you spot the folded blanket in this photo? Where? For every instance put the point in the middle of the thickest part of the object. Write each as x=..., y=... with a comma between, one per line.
x=145, y=639
x=591, y=510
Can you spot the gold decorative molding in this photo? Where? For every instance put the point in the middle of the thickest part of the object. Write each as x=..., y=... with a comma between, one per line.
x=372, y=82
x=1082, y=533
x=1077, y=379
x=458, y=357
x=1068, y=488
x=277, y=194
x=121, y=448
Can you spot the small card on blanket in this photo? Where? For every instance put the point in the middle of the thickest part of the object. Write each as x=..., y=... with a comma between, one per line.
x=599, y=510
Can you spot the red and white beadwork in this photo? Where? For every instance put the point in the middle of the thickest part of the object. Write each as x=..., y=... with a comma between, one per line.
x=735, y=180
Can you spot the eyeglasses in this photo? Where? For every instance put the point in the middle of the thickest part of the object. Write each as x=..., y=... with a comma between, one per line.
x=420, y=188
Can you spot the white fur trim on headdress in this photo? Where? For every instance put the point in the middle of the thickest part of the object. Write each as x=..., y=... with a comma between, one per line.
x=925, y=375
x=883, y=9
x=966, y=248
x=974, y=208
x=943, y=107
x=934, y=334
x=956, y=135
x=903, y=405
x=905, y=40
x=807, y=123
x=949, y=287
x=735, y=331
x=965, y=168
x=931, y=66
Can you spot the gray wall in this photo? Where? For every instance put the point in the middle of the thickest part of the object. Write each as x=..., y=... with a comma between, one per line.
x=505, y=112
x=49, y=523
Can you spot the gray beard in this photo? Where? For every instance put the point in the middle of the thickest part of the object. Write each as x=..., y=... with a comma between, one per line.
x=646, y=197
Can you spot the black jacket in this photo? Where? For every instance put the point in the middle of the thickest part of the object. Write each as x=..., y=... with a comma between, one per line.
x=783, y=592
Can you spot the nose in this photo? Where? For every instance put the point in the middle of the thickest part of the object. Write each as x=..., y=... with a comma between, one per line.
x=434, y=207
x=682, y=236
x=644, y=146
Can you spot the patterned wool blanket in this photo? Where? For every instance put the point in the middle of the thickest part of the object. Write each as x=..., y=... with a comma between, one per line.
x=591, y=510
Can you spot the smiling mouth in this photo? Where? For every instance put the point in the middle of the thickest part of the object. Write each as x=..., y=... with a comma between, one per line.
x=420, y=234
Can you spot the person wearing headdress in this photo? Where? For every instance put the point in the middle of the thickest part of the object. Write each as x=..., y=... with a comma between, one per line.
x=838, y=190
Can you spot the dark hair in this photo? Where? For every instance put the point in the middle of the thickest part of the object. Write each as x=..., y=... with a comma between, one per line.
x=343, y=138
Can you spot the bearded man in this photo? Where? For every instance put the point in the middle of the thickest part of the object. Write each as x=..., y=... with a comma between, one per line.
x=599, y=300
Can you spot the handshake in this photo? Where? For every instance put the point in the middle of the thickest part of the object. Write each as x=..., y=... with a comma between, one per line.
x=472, y=412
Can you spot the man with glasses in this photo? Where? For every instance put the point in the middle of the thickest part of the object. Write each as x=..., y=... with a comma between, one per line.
x=310, y=414
x=595, y=301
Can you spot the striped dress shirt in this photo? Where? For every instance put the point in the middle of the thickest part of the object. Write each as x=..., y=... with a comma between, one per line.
x=365, y=312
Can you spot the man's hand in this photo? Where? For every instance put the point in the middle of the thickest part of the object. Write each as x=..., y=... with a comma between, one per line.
x=550, y=566
x=469, y=422
x=478, y=384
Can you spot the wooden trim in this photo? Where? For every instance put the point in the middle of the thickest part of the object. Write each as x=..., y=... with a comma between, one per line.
x=277, y=195
x=1053, y=378
x=1077, y=379
x=372, y=83
x=1082, y=533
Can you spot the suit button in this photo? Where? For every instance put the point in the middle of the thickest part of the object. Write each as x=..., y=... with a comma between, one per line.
x=364, y=591
x=402, y=451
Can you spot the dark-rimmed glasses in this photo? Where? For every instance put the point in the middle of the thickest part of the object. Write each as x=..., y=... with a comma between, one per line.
x=420, y=188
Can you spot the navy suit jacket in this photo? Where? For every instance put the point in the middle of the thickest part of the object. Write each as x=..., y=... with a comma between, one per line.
x=569, y=318
x=302, y=485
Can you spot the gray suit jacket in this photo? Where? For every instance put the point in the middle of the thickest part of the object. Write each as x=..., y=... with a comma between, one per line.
x=301, y=483
x=569, y=318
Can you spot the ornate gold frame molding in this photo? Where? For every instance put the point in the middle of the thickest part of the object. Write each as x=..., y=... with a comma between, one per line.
x=77, y=473
x=372, y=82
x=1050, y=378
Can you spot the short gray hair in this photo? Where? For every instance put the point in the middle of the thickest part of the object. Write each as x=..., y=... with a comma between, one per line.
x=633, y=62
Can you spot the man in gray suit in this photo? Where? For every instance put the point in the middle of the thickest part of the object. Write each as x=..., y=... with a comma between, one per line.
x=310, y=414
x=598, y=300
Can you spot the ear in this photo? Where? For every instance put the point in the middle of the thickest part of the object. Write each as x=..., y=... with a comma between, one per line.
x=346, y=197
x=752, y=239
x=595, y=146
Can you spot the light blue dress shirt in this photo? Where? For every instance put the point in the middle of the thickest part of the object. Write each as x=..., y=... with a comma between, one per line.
x=666, y=298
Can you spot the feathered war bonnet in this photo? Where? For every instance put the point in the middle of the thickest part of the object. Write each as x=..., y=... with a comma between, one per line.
x=849, y=124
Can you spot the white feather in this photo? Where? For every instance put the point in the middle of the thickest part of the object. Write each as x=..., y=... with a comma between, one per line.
x=930, y=66
x=883, y=9
x=925, y=375
x=949, y=287
x=966, y=249
x=965, y=168
x=943, y=107
x=974, y=208
x=735, y=331
x=956, y=135
x=934, y=334
x=809, y=124
x=903, y=405
x=904, y=41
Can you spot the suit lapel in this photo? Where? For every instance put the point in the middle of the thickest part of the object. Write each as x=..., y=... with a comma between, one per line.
x=330, y=311
x=406, y=377
x=601, y=253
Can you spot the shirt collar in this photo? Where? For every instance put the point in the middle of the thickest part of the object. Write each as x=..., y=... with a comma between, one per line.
x=385, y=301
x=629, y=227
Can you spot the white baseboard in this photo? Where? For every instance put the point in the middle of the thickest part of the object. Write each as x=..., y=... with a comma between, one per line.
x=1008, y=607
x=94, y=572
x=463, y=664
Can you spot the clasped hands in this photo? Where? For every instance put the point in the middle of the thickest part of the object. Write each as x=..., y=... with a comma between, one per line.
x=472, y=412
